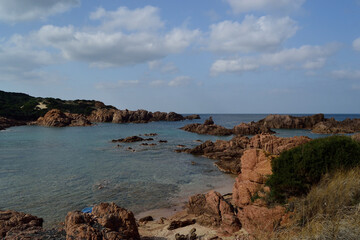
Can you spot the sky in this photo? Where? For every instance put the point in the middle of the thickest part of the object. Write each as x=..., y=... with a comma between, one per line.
x=188, y=56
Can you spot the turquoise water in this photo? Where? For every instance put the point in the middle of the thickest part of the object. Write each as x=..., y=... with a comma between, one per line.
x=50, y=171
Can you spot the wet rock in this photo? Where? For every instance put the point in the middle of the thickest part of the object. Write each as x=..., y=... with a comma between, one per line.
x=129, y=139
x=146, y=219
x=192, y=117
x=56, y=118
x=107, y=221
x=163, y=141
x=180, y=224
x=212, y=210
x=208, y=128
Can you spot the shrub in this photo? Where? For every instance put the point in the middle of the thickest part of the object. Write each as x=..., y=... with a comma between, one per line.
x=296, y=170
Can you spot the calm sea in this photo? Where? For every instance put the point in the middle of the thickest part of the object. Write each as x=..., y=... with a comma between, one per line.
x=50, y=171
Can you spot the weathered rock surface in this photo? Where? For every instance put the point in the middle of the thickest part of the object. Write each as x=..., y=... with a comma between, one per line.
x=251, y=128
x=212, y=210
x=138, y=116
x=331, y=126
x=290, y=122
x=107, y=221
x=208, y=128
x=180, y=224
x=56, y=118
x=17, y=225
x=229, y=153
x=6, y=123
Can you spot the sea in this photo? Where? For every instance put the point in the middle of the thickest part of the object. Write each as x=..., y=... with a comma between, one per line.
x=48, y=172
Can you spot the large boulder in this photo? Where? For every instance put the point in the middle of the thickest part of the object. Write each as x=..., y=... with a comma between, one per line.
x=212, y=210
x=107, y=221
x=101, y=115
x=56, y=118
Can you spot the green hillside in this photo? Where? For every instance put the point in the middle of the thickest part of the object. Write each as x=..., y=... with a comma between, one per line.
x=21, y=106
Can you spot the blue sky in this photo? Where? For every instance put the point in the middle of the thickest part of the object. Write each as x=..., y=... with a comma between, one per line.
x=203, y=56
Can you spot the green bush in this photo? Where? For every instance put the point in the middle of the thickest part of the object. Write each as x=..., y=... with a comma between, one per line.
x=296, y=170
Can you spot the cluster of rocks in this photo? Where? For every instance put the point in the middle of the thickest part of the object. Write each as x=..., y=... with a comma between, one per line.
x=228, y=153
x=132, y=139
x=210, y=128
x=56, y=118
x=139, y=116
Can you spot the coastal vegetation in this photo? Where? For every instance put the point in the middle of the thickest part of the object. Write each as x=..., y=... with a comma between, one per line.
x=295, y=171
x=20, y=106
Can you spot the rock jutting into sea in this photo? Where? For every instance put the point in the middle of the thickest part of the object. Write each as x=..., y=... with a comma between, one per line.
x=228, y=153
x=6, y=123
x=208, y=127
x=56, y=118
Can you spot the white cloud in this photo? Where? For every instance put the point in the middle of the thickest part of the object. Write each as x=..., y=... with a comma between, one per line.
x=118, y=84
x=157, y=83
x=163, y=67
x=346, y=74
x=236, y=65
x=102, y=48
x=241, y=6
x=25, y=10
x=305, y=57
x=252, y=34
x=180, y=81
x=356, y=44
x=146, y=18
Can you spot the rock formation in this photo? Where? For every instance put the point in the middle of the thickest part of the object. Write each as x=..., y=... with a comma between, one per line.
x=229, y=153
x=208, y=128
x=6, y=123
x=331, y=126
x=107, y=221
x=290, y=122
x=132, y=139
x=251, y=128
x=212, y=210
x=56, y=118
x=139, y=116
x=192, y=117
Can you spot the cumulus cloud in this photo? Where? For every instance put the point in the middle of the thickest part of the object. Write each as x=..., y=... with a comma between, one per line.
x=180, y=81
x=103, y=48
x=146, y=18
x=163, y=67
x=356, y=44
x=241, y=6
x=261, y=34
x=20, y=61
x=306, y=57
x=25, y=10
x=346, y=74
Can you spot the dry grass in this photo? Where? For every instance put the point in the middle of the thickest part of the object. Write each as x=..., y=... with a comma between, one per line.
x=331, y=210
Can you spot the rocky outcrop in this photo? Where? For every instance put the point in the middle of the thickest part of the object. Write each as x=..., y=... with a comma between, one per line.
x=208, y=128
x=6, y=123
x=139, y=116
x=17, y=225
x=132, y=139
x=192, y=117
x=251, y=128
x=331, y=126
x=290, y=122
x=229, y=153
x=107, y=221
x=56, y=118
x=212, y=210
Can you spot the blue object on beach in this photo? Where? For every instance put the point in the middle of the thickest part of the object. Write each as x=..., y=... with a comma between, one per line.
x=87, y=210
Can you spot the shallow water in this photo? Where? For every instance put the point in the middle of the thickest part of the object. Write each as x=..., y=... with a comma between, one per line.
x=50, y=171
